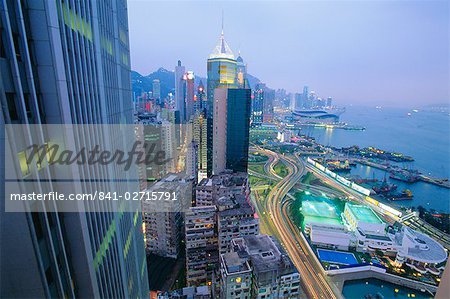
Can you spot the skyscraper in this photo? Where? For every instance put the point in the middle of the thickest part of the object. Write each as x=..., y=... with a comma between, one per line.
x=221, y=71
x=305, y=98
x=257, y=105
x=201, y=99
x=179, y=91
x=329, y=102
x=241, y=72
x=231, y=129
x=219, y=137
x=269, y=98
x=200, y=138
x=238, y=123
x=156, y=90
x=67, y=63
x=298, y=101
x=189, y=94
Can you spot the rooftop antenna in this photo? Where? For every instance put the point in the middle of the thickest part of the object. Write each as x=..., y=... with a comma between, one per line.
x=222, y=21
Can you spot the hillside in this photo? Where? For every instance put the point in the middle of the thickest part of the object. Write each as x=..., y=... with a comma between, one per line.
x=142, y=83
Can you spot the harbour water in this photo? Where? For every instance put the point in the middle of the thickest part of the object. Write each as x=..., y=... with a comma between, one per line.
x=423, y=135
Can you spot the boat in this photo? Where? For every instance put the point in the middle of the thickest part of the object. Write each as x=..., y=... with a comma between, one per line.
x=384, y=187
x=352, y=163
x=404, y=176
x=364, y=181
x=353, y=128
x=406, y=194
x=338, y=166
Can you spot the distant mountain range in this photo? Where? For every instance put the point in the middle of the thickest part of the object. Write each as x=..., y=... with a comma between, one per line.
x=142, y=83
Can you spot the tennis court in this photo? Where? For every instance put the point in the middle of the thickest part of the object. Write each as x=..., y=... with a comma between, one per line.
x=337, y=257
x=364, y=213
x=320, y=212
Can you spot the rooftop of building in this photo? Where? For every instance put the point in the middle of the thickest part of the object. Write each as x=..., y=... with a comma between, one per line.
x=328, y=227
x=247, y=210
x=421, y=247
x=202, y=209
x=236, y=205
x=378, y=237
x=229, y=179
x=187, y=293
x=234, y=263
x=225, y=179
x=222, y=50
x=364, y=213
x=265, y=253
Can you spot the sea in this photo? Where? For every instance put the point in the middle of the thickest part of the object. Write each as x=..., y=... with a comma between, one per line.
x=423, y=135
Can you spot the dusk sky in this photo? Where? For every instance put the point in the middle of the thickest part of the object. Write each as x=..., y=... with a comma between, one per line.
x=359, y=52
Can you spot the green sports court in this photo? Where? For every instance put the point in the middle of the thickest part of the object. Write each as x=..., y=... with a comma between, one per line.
x=364, y=214
x=319, y=209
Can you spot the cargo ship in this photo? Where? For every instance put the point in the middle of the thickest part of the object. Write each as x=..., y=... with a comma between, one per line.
x=338, y=166
x=384, y=187
x=360, y=180
x=404, y=176
x=404, y=195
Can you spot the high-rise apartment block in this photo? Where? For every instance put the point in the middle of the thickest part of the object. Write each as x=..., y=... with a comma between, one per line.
x=200, y=137
x=201, y=245
x=226, y=184
x=260, y=256
x=235, y=219
x=236, y=276
x=222, y=213
x=163, y=226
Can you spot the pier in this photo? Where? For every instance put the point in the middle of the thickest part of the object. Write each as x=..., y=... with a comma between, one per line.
x=435, y=181
x=373, y=164
x=420, y=177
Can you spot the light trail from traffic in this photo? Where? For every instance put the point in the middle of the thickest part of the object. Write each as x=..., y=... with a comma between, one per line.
x=314, y=279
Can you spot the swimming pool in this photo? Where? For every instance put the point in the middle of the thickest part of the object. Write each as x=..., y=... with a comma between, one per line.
x=337, y=257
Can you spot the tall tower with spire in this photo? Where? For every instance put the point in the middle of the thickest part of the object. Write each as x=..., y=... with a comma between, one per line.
x=222, y=73
x=222, y=69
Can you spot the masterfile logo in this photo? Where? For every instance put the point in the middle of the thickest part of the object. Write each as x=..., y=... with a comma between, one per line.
x=145, y=155
x=76, y=166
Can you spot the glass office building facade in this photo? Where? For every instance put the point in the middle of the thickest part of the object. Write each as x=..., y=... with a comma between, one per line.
x=238, y=122
x=67, y=62
x=222, y=73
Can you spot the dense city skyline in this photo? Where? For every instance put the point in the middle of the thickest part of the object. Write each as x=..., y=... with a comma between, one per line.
x=387, y=53
x=201, y=182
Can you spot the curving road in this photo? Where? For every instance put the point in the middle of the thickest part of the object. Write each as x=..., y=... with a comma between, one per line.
x=275, y=216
